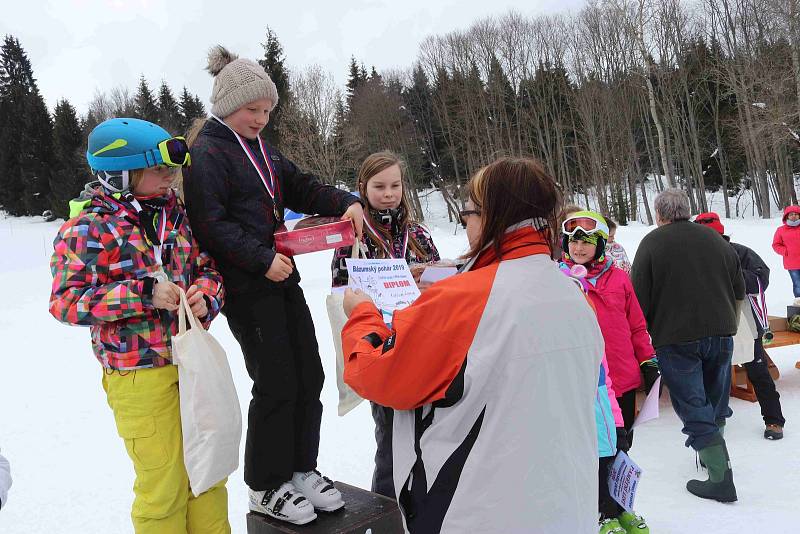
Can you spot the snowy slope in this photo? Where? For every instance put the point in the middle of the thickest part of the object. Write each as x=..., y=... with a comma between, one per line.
x=71, y=474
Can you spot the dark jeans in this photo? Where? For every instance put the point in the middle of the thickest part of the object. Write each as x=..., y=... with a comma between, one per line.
x=766, y=393
x=276, y=333
x=383, y=477
x=795, y=274
x=698, y=375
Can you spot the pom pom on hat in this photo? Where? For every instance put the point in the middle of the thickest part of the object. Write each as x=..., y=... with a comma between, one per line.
x=218, y=58
x=237, y=82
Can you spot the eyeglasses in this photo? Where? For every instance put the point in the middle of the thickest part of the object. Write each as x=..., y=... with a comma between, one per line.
x=464, y=214
x=706, y=221
x=585, y=224
x=174, y=152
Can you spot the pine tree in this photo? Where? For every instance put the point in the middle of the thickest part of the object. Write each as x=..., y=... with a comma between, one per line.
x=69, y=171
x=191, y=108
x=356, y=78
x=273, y=63
x=341, y=141
x=37, y=150
x=169, y=113
x=374, y=76
x=146, y=107
x=199, y=107
x=418, y=100
x=25, y=134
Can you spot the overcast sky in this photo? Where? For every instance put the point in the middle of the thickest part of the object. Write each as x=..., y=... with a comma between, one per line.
x=80, y=46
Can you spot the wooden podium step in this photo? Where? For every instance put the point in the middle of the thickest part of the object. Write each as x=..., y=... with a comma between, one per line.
x=363, y=510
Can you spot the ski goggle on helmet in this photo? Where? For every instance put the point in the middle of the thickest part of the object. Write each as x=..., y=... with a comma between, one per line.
x=119, y=145
x=588, y=222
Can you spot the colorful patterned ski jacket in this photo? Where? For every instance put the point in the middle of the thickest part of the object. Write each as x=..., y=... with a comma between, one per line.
x=616, y=252
x=372, y=249
x=101, y=266
x=475, y=369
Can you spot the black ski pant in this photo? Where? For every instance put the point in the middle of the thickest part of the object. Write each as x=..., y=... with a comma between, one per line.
x=607, y=506
x=766, y=393
x=627, y=405
x=276, y=333
x=383, y=476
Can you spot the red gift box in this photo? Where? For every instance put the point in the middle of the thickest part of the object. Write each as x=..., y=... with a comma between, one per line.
x=314, y=234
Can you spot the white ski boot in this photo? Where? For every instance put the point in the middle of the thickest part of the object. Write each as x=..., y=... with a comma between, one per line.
x=319, y=490
x=285, y=503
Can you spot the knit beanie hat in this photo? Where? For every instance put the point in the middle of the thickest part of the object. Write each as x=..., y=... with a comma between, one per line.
x=711, y=220
x=237, y=82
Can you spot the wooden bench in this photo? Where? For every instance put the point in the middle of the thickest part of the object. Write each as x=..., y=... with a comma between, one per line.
x=741, y=387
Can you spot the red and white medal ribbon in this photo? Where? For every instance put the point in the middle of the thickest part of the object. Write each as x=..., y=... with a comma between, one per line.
x=269, y=184
x=387, y=246
x=759, y=305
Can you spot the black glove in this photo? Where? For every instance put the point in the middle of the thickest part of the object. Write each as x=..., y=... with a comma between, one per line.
x=622, y=440
x=651, y=373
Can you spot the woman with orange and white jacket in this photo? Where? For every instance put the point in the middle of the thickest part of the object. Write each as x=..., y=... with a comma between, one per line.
x=480, y=364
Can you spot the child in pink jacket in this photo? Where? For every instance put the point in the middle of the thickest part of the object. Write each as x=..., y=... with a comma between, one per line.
x=611, y=438
x=624, y=331
x=787, y=243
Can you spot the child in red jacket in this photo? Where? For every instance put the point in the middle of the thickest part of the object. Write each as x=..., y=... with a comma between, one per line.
x=787, y=243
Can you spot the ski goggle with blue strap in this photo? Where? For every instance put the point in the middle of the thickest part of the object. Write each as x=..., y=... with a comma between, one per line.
x=172, y=152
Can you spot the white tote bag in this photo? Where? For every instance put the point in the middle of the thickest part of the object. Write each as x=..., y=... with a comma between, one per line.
x=348, y=399
x=744, y=340
x=211, y=417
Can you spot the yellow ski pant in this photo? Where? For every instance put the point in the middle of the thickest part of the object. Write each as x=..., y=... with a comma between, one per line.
x=146, y=409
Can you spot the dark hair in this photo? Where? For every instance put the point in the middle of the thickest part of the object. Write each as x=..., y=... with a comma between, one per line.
x=610, y=222
x=508, y=191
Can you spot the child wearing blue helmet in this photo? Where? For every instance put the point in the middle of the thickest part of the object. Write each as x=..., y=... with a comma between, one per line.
x=118, y=266
x=236, y=192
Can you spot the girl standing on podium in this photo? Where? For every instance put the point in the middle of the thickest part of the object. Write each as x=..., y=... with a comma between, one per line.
x=389, y=232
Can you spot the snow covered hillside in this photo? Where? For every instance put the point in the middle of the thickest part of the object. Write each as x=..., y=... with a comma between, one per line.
x=71, y=473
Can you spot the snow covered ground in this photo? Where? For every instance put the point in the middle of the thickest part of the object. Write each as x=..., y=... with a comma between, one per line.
x=71, y=474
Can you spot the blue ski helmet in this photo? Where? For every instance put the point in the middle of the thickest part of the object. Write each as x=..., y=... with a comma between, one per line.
x=119, y=145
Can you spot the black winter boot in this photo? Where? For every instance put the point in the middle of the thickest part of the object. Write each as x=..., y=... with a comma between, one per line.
x=719, y=485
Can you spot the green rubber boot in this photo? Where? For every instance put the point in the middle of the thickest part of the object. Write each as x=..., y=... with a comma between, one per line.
x=721, y=427
x=633, y=523
x=611, y=526
x=719, y=485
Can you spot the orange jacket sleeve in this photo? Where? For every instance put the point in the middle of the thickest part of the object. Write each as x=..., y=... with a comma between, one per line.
x=415, y=362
